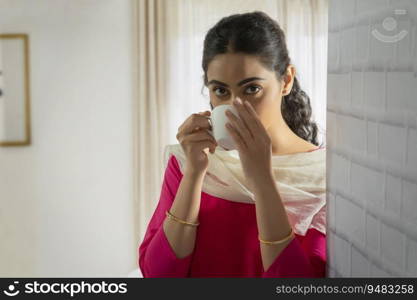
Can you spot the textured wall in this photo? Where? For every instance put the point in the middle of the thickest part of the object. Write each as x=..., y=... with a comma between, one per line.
x=372, y=138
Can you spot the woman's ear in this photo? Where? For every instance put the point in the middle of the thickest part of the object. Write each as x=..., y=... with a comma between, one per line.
x=288, y=80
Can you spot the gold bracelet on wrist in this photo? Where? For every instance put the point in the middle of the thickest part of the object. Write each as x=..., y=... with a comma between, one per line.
x=279, y=241
x=171, y=216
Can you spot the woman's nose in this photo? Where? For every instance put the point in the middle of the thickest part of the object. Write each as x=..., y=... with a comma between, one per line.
x=236, y=99
x=233, y=98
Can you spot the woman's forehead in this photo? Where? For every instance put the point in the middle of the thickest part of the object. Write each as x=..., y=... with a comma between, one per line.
x=235, y=66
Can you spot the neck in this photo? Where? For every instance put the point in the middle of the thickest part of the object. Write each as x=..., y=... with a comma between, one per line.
x=284, y=140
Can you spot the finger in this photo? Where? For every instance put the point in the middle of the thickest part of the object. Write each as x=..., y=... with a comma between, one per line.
x=243, y=114
x=252, y=116
x=198, y=138
x=196, y=121
x=200, y=135
x=205, y=115
x=248, y=118
x=240, y=126
x=240, y=143
x=201, y=145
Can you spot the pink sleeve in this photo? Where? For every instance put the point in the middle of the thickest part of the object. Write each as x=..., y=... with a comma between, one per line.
x=301, y=258
x=156, y=257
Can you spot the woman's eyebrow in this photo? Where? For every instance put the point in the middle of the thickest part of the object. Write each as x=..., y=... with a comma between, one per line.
x=239, y=84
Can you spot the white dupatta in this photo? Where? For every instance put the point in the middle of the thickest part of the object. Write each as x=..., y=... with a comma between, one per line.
x=300, y=179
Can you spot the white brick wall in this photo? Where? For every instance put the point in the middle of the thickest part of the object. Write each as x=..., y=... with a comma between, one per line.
x=372, y=140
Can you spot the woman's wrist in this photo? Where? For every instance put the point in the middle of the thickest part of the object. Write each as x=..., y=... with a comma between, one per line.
x=194, y=173
x=262, y=181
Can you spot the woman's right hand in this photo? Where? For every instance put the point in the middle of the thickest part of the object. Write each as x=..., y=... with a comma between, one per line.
x=196, y=141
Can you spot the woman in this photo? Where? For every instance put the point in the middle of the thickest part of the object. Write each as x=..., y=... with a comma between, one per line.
x=259, y=210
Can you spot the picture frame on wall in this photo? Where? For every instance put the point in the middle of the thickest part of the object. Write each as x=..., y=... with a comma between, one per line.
x=15, y=129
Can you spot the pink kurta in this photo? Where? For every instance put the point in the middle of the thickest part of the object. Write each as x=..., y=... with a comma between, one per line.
x=226, y=243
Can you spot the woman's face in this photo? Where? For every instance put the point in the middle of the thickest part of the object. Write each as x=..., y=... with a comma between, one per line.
x=232, y=75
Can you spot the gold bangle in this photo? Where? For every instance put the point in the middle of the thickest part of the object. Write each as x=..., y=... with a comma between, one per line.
x=279, y=241
x=171, y=216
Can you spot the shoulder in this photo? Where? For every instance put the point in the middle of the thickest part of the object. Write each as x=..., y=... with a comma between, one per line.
x=173, y=163
x=172, y=150
x=304, y=146
x=312, y=147
x=173, y=157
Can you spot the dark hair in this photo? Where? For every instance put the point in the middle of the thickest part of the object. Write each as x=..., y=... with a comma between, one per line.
x=257, y=34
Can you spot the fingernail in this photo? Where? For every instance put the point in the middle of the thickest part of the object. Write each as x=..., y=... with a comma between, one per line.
x=238, y=100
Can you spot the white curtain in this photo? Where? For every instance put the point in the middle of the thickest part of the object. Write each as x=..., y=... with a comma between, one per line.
x=170, y=44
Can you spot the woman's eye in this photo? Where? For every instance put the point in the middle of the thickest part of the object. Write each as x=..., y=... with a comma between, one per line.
x=253, y=89
x=220, y=92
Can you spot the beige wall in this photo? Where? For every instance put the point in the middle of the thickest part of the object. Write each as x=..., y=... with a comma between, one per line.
x=66, y=203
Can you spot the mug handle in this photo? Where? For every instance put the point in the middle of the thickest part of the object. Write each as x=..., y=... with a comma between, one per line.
x=211, y=125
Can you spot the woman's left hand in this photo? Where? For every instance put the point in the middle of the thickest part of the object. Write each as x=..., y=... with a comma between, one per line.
x=252, y=142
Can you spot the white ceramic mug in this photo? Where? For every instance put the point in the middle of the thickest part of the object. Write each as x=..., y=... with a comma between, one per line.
x=219, y=131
